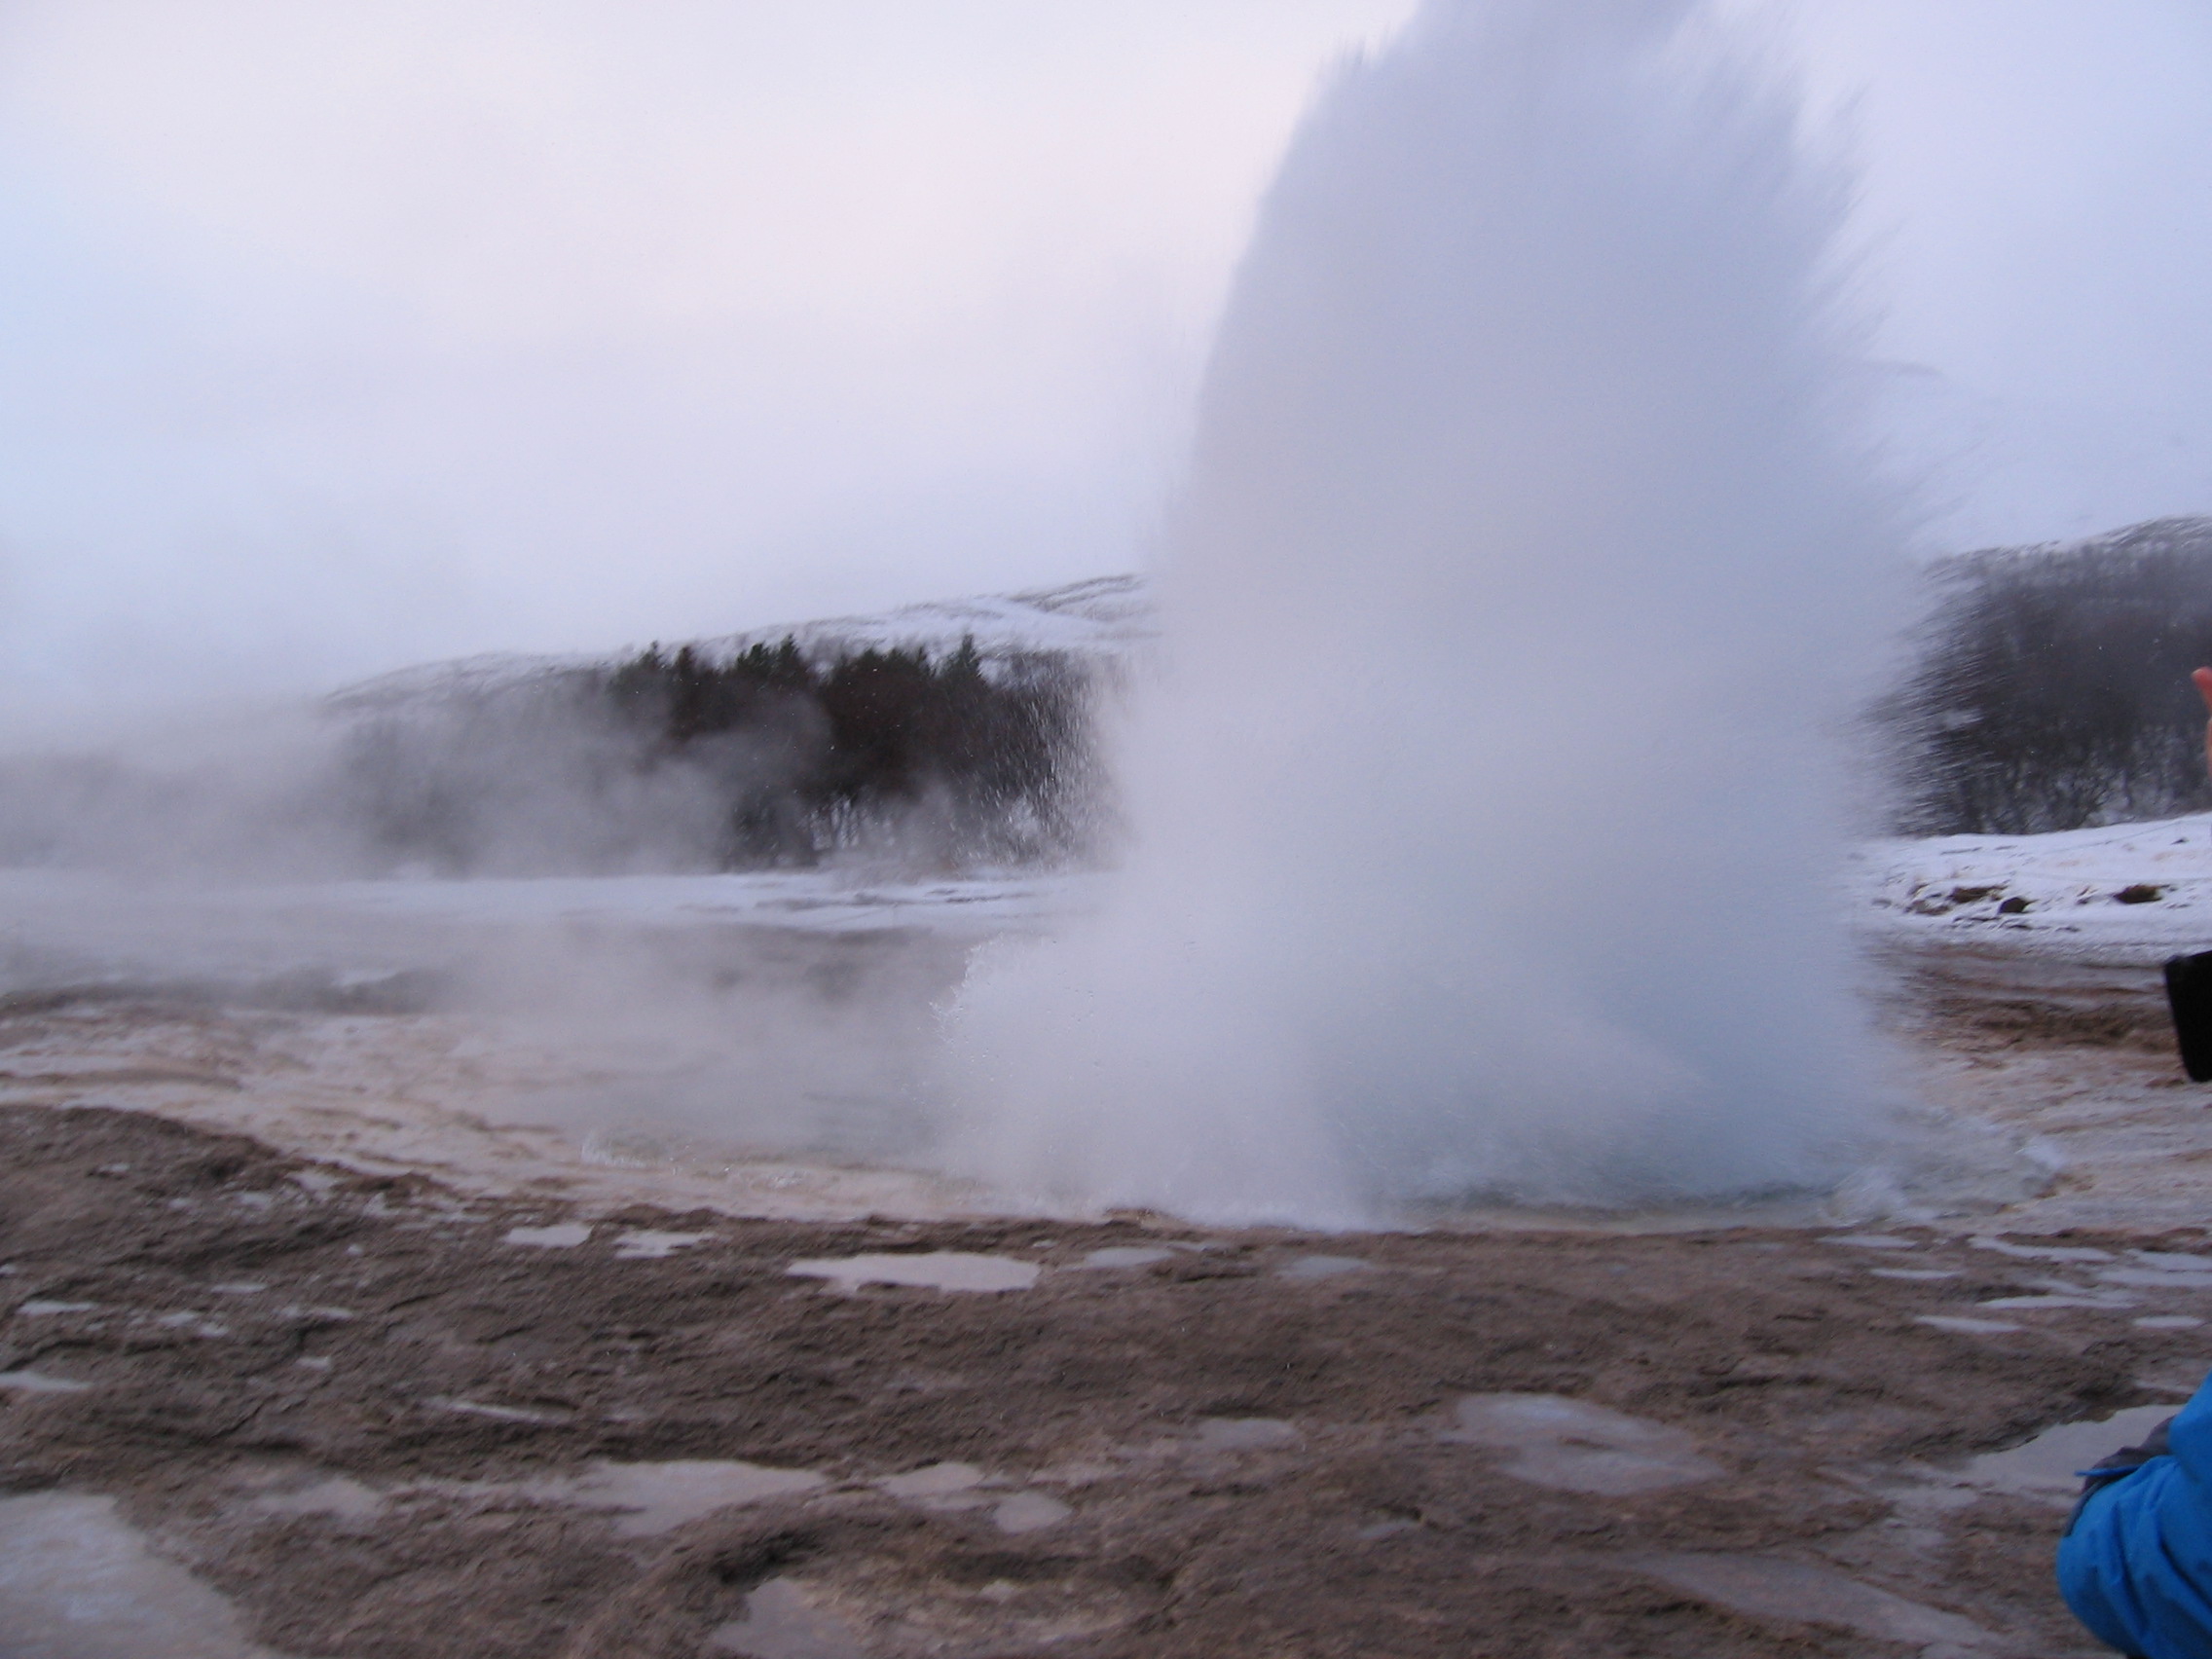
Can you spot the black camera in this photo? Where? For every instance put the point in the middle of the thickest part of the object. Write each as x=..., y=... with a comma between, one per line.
x=2188, y=991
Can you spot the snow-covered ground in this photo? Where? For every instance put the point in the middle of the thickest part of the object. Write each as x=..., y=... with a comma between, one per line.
x=2129, y=893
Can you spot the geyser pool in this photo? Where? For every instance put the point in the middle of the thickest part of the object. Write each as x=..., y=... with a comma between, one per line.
x=1487, y=815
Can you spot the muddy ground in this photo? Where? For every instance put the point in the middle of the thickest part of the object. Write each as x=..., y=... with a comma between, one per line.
x=381, y=1421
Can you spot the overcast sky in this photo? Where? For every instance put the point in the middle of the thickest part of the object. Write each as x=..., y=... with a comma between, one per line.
x=340, y=337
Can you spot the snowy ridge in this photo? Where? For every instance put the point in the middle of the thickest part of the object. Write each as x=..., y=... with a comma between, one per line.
x=1102, y=619
x=457, y=676
x=2182, y=533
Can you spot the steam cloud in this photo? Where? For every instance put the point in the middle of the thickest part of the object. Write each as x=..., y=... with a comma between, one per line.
x=1525, y=572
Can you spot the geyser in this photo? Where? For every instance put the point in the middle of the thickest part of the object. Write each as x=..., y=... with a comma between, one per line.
x=1487, y=817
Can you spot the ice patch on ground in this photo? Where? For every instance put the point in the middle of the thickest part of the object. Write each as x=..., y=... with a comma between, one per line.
x=1308, y=1268
x=647, y=1499
x=934, y=1270
x=38, y=1383
x=1576, y=1446
x=78, y=1582
x=1122, y=1256
x=2050, y=1464
x=1801, y=1593
x=560, y=1235
x=1029, y=1512
x=654, y=1499
x=783, y=1622
x=934, y=1480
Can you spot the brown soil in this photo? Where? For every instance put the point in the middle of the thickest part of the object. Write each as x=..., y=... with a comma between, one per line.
x=1982, y=1000
x=259, y=1325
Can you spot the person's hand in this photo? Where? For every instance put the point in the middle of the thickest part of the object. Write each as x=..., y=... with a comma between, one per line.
x=2203, y=679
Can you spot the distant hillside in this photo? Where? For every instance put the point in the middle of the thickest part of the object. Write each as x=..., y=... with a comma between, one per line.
x=952, y=735
x=2050, y=686
x=949, y=736
x=1103, y=619
x=2047, y=690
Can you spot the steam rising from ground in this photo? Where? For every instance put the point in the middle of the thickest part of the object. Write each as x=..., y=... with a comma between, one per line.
x=1525, y=571
x=1486, y=824
x=537, y=781
x=868, y=760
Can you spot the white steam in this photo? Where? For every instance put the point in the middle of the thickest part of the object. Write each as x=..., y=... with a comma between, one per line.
x=1487, y=824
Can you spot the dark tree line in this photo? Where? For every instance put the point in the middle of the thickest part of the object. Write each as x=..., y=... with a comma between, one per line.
x=995, y=761
x=767, y=757
x=2049, y=686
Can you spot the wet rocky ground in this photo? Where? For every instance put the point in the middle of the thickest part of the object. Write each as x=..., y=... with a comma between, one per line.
x=376, y=1418
x=395, y=1375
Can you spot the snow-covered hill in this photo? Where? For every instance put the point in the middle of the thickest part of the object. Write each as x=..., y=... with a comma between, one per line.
x=1102, y=620
x=1105, y=617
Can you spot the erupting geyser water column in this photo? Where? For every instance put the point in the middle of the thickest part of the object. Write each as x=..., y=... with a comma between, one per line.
x=1488, y=818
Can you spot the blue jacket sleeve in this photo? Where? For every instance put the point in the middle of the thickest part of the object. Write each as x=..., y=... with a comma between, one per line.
x=2136, y=1565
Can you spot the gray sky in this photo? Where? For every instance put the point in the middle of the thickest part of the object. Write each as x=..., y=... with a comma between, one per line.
x=342, y=337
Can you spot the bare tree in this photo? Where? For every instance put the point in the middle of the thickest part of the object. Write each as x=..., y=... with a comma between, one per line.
x=2051, y=687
